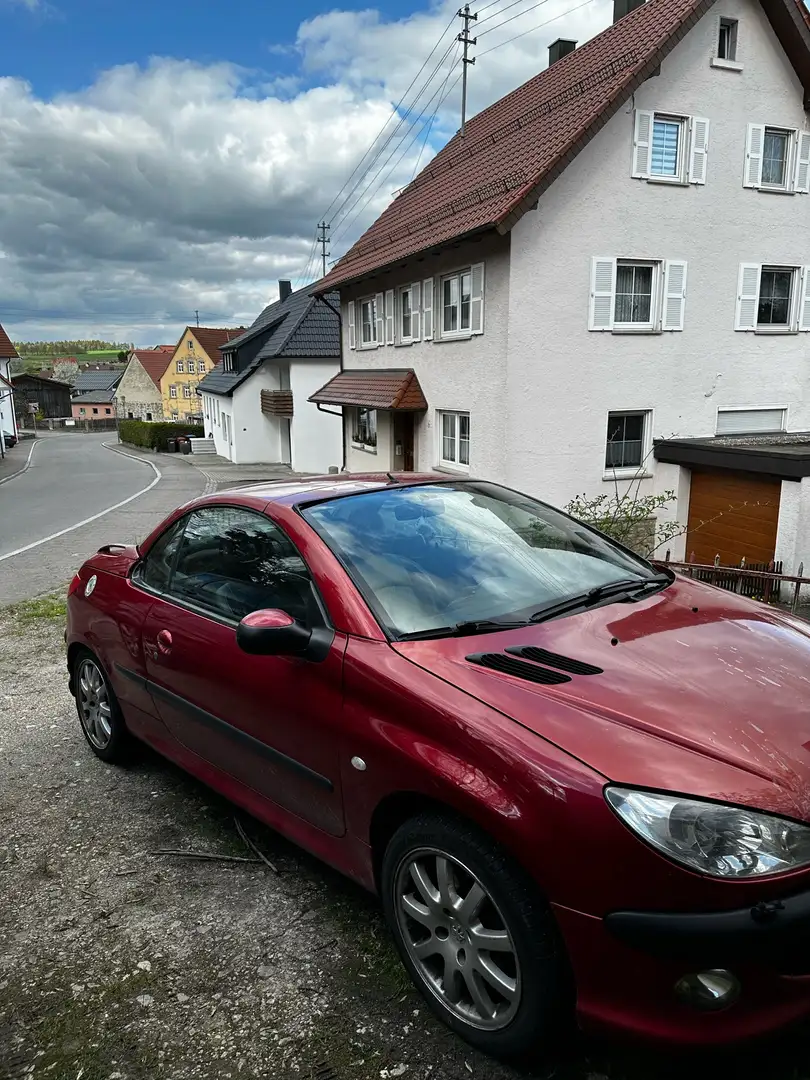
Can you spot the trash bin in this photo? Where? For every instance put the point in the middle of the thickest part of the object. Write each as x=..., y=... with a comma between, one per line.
x=184, y=445
x=171, y=446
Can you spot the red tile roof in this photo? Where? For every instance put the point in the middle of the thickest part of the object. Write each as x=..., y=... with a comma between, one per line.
x=7, y=350
x=153, y=362
x=164, y=348
x=385, y=388
x=516, y=148
x=213, y=339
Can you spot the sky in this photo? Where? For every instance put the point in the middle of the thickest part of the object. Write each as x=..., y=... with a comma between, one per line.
x=163, y=156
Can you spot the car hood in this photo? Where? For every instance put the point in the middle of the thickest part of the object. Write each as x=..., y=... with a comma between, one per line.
x=700, y=692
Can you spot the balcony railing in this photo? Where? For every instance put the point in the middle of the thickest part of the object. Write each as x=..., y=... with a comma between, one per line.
x=277, y=402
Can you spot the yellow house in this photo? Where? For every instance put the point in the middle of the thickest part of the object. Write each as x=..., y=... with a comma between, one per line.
x=196, y=353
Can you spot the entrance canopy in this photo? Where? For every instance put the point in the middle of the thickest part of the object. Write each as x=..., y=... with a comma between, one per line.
x=386, y=389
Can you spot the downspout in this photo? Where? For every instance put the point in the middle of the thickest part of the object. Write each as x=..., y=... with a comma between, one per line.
x=342, y=413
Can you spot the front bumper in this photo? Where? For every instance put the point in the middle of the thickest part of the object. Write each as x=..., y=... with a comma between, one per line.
x=626, y=967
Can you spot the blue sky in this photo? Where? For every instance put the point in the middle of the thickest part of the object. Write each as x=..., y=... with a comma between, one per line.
x=62, y=45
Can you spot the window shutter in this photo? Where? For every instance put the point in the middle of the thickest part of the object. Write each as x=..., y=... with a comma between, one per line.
x=753, y=155
x=749, y=421
x=477, y=299
x=804, y=307
x=416, y=303
x=350, y=320
x=389, y=317
x=802, y=182
x=642, y=144
x=700, y=150
x=674, y=295
x=427, y=309
x=603, y=287
x=379, y=311
x=748, y=296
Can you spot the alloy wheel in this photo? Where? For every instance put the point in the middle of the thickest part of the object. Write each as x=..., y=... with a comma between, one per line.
x=457, y=939
x=93, y=701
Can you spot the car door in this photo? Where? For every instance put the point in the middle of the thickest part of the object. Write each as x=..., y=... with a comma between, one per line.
x=271, y=722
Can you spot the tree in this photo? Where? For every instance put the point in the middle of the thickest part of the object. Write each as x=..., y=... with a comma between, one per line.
x=66, y=371
x=631, y=518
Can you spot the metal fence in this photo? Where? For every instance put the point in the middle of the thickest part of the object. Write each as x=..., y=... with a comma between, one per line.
x=760, y=581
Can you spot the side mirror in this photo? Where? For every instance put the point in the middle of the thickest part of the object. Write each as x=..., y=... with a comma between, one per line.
x=272, y=633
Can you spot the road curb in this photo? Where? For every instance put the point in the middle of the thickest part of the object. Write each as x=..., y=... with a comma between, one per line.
x=25, y=467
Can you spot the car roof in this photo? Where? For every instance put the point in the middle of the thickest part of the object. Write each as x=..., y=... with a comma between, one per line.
x=319, y=488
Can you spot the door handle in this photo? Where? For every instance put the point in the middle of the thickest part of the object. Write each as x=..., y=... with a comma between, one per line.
x=164, y=642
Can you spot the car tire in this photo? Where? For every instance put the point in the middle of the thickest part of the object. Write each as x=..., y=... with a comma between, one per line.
x=99, y=713
x=446, y=955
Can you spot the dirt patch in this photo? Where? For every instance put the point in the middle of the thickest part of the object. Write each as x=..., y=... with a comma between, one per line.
x=118, y=964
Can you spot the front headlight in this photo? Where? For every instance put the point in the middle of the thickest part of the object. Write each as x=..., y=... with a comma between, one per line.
x=722, y=841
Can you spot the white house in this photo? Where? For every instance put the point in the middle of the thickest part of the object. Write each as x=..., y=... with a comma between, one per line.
x=7, y=354
x=256, y=401
x=606, y=279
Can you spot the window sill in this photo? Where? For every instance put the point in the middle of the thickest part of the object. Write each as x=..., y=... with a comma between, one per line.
x=465, y=336
x=774, y=331
x=669, y=181
x=364, y=449
x=453, y=470
x=775, y=190
x=405, y=344
x=368, y=347
x=726, y=65
x=635, y=330
x=625, y=474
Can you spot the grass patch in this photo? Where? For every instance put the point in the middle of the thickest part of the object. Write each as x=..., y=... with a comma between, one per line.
x=53, y=606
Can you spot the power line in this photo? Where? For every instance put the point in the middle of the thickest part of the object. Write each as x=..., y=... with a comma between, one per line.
x=519, y=15
x=486, y=7
x=495, y=14
x=346, y=209
x=532, y=29
x=433, y=118
x=348, y=224
x=394, y=112
x=466, y=40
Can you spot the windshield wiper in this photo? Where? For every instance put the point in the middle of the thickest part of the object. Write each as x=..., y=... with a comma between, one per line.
x=599, y=592
x=463, y=629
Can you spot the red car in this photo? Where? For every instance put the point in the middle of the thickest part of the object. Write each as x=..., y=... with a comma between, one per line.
x=576, y=781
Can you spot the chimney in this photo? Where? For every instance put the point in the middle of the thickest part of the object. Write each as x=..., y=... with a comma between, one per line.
x=284, y=289
x=624, y=7
x=560, y=48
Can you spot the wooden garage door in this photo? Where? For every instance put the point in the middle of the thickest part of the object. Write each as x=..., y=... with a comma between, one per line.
x=733, y=515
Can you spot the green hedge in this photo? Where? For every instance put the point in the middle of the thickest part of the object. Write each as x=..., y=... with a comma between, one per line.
x=153, y=435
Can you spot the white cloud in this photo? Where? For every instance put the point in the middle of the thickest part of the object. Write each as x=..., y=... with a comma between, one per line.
x=178, y=186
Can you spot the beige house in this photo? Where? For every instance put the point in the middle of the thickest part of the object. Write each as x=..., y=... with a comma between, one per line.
x=138, y=395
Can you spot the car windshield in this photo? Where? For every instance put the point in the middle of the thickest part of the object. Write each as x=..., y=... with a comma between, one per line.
x=432, y=557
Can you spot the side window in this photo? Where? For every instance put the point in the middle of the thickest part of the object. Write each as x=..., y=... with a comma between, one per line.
x=155, y=570
x=234, y=561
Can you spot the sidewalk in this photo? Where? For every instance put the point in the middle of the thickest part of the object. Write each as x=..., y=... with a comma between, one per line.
x=219, y=472
x=15, y=460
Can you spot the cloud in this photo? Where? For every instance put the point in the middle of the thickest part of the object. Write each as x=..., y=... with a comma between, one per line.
x=175, y=186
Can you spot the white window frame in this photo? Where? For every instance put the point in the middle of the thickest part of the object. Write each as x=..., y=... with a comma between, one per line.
x=187, y=390
x=413, y=292
x=748, y=297
x=172, y=391
x=797, y=166
x=668, y=307
x=179, y=368
x=693, y=148
x=477, y=290
x=453, y=463
x=629, y=472
x=190, y=345
x=357, y=444
x=200, y=367
x=729, y=61
x=726, y=409
x=376, y=317
x=227, y=362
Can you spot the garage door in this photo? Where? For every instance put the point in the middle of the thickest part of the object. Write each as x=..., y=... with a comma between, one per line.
x=733, y=515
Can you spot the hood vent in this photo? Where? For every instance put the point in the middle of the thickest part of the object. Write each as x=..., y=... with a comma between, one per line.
x=564, y=663
x=507, y=665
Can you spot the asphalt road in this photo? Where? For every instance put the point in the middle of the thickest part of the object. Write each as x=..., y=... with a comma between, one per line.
x=73, y=478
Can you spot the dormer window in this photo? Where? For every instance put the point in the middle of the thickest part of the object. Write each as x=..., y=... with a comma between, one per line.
x=228, y=362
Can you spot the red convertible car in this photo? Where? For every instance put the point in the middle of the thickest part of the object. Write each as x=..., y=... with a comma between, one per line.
x=576, y=781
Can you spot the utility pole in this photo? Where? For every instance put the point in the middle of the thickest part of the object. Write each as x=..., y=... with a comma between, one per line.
x=323, y=240
x=466, y=40
x=196, y=312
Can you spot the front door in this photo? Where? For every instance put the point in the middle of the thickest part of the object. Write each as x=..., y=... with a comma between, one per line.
x=403, y=442
x=270, y=722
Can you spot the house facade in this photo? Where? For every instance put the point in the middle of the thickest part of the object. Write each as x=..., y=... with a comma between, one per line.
x=94, y=406
x=626, y=304
x=256, y=403
x=8, y=421
x=138, y=395
x=46, y=398
x=195, y=356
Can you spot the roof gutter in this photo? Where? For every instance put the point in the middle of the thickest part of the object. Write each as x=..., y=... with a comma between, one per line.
x=341, y=414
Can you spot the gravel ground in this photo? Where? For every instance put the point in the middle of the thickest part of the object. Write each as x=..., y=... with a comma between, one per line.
x=120, y=964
